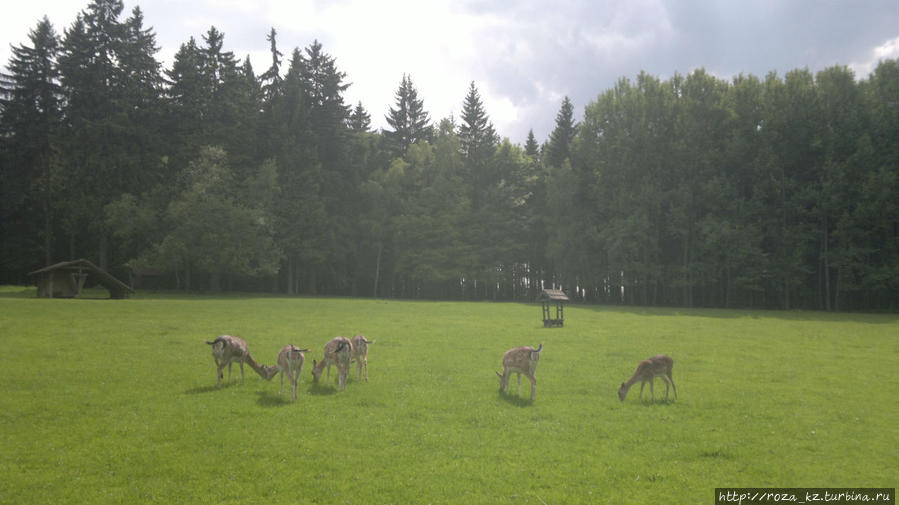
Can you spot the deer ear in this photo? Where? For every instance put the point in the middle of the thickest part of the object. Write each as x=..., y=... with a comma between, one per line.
x=499, y=374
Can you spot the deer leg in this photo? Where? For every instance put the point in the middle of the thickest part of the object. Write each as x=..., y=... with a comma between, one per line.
x=365, y=366
x=533, y=386
x=281, y=392
x=519, y=383
x=642, y=385
x=293, y=395
x=668, y=380
x=652, y=381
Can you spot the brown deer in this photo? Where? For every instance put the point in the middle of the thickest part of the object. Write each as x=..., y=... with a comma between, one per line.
x=337, y=351
x=290, y=362
x=227, y=349
x=647, y=371
x=520, y=360
x=360, y=354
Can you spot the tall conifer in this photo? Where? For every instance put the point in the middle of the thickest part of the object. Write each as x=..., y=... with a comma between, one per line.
x=408, y=120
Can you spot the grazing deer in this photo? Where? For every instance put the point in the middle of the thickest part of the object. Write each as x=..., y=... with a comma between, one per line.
x=647, y=371
x=520, y=360
x=290, y=362
x=337, y=351
x=360, y=354
x=227, y=349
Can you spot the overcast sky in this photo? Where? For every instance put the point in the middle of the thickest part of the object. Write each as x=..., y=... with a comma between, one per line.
x=523, y=55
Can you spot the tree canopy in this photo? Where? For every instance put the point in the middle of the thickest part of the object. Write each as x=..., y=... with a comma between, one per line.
x=771, y=192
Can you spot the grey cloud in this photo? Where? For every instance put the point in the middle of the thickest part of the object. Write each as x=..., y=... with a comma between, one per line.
x=582, y=48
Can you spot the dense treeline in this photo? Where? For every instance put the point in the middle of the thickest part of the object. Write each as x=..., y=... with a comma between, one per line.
x=779, y=192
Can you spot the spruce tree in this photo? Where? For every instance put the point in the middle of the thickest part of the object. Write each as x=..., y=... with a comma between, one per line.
x=409, y=121
x=360, y=119
x=271, y=79
x=531, y=148
x=560, y=140
x=106, y=69
x=186, y=95
x=30, y=100
x=476, y=131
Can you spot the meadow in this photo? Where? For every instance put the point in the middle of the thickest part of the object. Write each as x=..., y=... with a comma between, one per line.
x=114, y=401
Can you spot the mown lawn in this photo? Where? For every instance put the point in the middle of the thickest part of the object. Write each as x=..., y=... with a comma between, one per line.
x=114, y=401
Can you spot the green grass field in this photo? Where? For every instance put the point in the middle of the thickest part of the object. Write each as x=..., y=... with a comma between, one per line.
x=114, y=401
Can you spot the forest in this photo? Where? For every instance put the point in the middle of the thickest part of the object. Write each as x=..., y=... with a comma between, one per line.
x=775, y=192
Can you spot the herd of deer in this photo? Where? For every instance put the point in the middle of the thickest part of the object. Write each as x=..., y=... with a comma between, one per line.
x=342, y=351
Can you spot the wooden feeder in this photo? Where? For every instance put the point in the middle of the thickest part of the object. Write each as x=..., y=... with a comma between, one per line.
x=557, y=297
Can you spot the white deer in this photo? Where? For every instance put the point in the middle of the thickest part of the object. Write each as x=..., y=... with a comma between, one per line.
x=360, y=354
x=647, y=370
x=337, y=352
x=520, y=360
x=227, y=349
x=290, y=362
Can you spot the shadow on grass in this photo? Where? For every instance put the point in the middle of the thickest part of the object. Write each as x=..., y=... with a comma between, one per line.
x=269, y=399
x=649, y=402
x=515, y=400
x=208, y=389
x=317, y=389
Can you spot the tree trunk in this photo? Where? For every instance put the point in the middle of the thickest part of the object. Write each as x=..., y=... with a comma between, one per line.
x=377, y=269
x=291, y=276
x=104, y=251
x=826, y=269
x=48, y=238
x=215, y=282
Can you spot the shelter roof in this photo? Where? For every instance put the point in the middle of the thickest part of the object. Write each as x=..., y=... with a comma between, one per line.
x=117, y=288
x=554, y=295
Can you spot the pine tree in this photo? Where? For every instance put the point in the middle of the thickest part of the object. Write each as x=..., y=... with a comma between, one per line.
x=95, y=73
x=531, y=148
x=30, y=100
x=409, y=120
x=478, y=141
x=560, y=140
x=271, y=79
x=360, y=119
x=141, y=83
x=187, y=97
x=476, y=131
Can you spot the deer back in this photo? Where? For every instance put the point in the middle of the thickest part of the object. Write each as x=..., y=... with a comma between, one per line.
x=522, y=358
x=360, y=346
x=228, y=347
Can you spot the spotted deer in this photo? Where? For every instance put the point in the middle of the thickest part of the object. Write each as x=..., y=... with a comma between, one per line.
x=520, y=360
x=360, y=354
x=337, y=352
x=290, y=363
x=228, y=349
x=647, y=370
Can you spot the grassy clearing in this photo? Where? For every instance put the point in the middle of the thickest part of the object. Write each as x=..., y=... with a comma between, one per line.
x=114, y=401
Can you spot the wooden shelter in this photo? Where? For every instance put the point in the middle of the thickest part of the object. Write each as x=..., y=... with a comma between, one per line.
x=557, y=297
x=66, y=279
